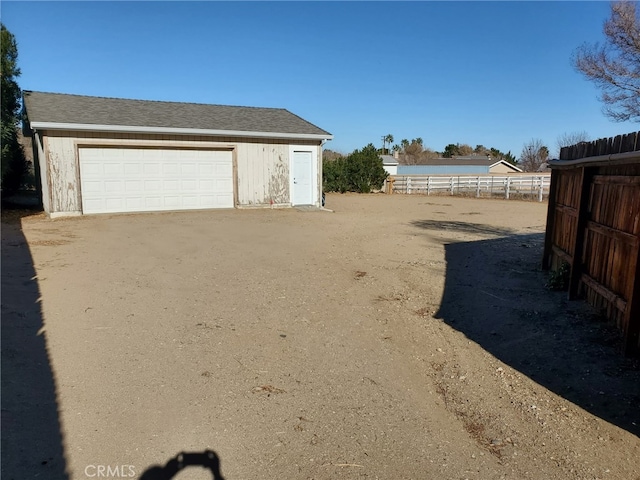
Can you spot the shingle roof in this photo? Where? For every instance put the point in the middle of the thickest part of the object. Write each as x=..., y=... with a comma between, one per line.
x=459, y=161
x=471, y=160
x=58, y=108
x=389, y=160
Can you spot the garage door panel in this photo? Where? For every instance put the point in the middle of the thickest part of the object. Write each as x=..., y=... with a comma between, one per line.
x=170, y=168
x=113, y=169
x=172, y=201
x=153, y=185
x=171, y=185
x=93, y=187
x=223, y=170
x=113, y=204
x=113, y=186
x=224, y=199
x=132, y=186
x=206, y=169
x=192, y=201
x=132, y=169
x=189, y=185
x=205, y=185
x=152, y=203
x=129, y=179
x=96, y=204
x=92, y=168
x=189, y=169
x=152, y=168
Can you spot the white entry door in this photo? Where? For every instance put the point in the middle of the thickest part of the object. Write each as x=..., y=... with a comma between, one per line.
x=114, y=180
x=302, y=172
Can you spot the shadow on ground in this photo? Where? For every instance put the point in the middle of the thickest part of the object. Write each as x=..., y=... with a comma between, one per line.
x=495, y=294
x=31, y=435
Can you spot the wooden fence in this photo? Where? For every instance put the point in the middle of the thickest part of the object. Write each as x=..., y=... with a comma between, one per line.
x=593, y=225
x=533, y=186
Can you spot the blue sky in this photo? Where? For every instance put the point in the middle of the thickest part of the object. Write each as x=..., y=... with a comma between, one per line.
x=491, y=73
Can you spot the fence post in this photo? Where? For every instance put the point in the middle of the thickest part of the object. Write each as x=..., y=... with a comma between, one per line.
x=478, y=188
x=508, y=187
x=428, y=185
x=409, y=185
x=581, y=225
x=541, y=189
x=551, y=220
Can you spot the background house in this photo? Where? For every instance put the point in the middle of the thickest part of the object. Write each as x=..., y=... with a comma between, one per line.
x=390, y=164
x=110, y=155
x=468, y=165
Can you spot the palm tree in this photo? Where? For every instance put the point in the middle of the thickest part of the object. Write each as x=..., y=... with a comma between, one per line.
x=386, y=139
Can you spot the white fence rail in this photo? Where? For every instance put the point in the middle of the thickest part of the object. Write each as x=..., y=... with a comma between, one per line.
x=535, y=186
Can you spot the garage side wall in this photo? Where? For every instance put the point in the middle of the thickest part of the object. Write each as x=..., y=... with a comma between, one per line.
x=261, y=165
x=263, y=173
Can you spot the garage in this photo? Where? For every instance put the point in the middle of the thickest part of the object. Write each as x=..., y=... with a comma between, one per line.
x=114, y=180
x=99, y=155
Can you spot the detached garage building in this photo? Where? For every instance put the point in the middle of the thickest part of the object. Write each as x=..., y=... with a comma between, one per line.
x=111, y=155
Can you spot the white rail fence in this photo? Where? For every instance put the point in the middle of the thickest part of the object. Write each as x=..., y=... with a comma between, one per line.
x=534, y=186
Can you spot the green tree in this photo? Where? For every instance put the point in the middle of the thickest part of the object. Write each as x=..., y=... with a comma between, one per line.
x=450, y=150
x=13, y=164
x=615, y=66
x=457, y=150
x=360, y=171
x=507, y=157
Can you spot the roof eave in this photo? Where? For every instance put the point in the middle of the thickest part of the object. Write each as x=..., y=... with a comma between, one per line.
x=176, y=131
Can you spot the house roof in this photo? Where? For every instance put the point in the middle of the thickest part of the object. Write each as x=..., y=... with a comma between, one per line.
x=467, y=161
x=389, y=160
x=79, y=112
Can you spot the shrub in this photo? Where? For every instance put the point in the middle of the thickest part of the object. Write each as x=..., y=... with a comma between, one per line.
x=361, y=171
x=559, y=280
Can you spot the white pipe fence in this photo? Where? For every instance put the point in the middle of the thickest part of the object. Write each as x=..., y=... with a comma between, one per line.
x=508, y=186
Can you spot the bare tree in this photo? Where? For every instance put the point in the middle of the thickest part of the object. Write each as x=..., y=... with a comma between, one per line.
x=412, y=152
x=568, y=139
x=615, y=66
x=330, y=155
x=533, y=155
x=428, y=154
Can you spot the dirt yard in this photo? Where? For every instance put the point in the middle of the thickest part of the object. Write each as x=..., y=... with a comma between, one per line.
x=400, y=337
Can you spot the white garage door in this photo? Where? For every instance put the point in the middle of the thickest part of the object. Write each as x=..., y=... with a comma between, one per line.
x=147, y=179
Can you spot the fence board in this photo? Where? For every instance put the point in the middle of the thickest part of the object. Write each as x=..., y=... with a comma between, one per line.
x=593, y=223
x=536, y=186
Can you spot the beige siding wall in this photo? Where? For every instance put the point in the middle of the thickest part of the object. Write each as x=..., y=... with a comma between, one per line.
x=502, y=168
x=263, y=173
x=261, y=165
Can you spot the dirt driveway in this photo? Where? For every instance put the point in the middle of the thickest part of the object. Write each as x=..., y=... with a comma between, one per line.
x=399, y=337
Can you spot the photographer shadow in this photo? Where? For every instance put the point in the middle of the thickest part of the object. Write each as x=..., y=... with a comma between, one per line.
x=32, y=441
x=495, y=293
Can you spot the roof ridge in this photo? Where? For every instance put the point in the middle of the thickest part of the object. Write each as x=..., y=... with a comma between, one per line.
x=162, y=101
